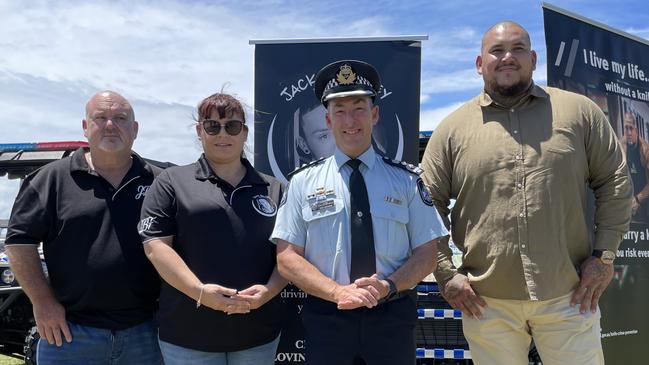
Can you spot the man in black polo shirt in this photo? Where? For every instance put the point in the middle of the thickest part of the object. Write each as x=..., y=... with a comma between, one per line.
x=99, y=303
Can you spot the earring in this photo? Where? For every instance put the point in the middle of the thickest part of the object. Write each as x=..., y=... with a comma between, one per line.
x=301, y=143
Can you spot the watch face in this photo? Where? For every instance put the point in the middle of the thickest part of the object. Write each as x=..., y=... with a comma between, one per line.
x=608, y=256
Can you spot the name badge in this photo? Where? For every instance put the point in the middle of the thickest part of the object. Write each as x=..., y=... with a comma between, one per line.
x=392, y=200
x=321, y=199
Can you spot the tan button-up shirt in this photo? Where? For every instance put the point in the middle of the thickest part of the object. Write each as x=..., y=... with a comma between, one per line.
x=519, y=177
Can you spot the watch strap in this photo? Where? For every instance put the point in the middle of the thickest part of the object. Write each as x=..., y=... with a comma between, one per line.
x=392, y=288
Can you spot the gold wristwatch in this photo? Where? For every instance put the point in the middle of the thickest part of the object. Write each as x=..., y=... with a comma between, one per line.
x=606, y=256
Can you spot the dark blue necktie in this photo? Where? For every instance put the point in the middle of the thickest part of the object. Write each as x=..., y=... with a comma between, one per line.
x=363, y=261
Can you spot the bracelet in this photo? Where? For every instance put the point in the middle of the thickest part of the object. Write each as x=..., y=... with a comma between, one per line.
x=200, y=296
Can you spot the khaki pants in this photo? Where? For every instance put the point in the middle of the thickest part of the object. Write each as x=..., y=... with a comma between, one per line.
x=562, y=335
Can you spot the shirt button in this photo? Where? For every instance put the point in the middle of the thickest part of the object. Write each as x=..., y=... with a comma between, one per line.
x=520, y=186
x=511, y=110
x=522, y=245
x=359, y=214
x=515, y=131
x=522, y=215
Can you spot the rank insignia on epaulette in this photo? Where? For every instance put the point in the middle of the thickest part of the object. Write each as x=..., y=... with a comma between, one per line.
x=404, y=165
x=304, y=167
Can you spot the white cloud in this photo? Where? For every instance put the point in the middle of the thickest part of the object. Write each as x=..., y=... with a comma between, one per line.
x=8, y=191
x=163, y=56
x=642, y=33
x=429, y=119
x=463, y=80
x=541, y=74
x=452, y=48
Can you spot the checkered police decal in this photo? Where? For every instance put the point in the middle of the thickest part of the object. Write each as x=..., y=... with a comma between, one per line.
x=264, y=205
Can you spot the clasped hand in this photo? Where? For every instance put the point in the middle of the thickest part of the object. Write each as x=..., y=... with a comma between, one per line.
x=231, y=301
x=363, y=292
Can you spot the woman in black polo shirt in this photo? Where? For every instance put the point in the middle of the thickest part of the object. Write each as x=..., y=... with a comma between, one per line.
x=205, y=227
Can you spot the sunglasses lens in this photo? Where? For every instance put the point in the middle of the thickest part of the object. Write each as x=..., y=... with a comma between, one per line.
x=212, y=127
x=233, y=127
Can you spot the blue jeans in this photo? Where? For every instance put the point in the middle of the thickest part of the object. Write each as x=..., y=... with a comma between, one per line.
x=260, y=355
x=98, y=346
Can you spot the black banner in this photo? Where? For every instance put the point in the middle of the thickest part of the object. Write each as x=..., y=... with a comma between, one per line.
x=290, y=125
x=612, y=69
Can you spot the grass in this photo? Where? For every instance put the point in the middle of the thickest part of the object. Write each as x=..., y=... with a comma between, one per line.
x=6, y=360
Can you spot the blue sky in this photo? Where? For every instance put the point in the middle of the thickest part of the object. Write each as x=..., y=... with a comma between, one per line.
x=166, y=55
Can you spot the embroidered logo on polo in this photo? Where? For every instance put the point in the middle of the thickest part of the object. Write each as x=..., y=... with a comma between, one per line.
x=145, y=224
x=423, y=193
x=141, y=191
x=321, y=199
x=264, y=205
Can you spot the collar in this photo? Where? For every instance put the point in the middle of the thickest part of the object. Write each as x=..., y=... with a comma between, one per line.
x=78, y=162
x=204, y=172
x=536, y=91
x=368, y=158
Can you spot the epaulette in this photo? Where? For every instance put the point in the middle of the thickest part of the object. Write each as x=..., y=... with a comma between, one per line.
x=304, y=167
x=403, y=165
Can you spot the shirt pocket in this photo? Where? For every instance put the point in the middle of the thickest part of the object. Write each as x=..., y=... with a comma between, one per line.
x=390, y=230
x=323, y=226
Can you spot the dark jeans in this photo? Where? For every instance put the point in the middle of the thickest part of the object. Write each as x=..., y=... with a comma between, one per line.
x=383, y=335
x=98, y=346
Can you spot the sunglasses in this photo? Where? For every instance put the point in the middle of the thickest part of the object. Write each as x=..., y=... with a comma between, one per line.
x=232, y=127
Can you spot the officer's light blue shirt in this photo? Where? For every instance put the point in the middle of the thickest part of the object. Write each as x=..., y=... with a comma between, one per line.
x=315, y=215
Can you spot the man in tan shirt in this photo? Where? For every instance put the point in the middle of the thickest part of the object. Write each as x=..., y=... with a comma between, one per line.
x=517, y=159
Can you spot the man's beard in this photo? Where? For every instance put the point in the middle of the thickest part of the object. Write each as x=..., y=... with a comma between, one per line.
x=510, y=91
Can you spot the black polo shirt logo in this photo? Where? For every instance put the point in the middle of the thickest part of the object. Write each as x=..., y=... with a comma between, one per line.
x=141, y=191
x=145, y=224
x=264, y=205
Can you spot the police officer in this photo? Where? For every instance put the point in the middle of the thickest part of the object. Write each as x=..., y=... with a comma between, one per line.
x=356, y=232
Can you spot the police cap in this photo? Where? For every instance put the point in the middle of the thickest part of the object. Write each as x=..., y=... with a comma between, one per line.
x=346, y=78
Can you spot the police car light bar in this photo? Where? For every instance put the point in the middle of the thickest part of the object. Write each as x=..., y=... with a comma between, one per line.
x=42, y=146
